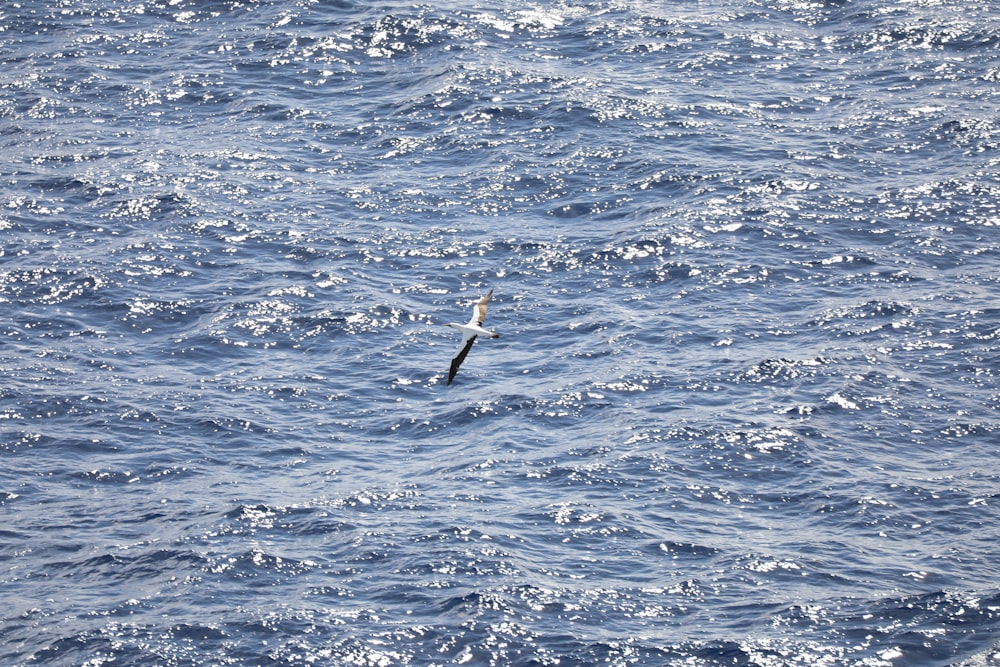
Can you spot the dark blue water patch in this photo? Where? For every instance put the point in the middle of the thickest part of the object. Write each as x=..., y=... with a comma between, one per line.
x=69, y=649
x=125, y=568
x=289, y=521
x=928, y=614
x=782, y=370
x=50, y=285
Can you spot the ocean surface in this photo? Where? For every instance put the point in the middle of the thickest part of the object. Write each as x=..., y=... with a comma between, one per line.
x=744, y=409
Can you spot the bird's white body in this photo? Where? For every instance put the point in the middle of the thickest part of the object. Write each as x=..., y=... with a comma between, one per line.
x=470, y=332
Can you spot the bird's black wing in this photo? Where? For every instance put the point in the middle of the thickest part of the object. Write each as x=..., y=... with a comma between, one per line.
x=459, y=358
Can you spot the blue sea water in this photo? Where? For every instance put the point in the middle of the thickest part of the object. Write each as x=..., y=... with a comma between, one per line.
x=744, y=409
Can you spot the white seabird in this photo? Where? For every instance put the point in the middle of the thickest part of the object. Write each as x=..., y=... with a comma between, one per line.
x=470, y=332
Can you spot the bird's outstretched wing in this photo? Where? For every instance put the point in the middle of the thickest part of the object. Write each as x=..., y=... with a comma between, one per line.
x=459, y=358
x=479, y=311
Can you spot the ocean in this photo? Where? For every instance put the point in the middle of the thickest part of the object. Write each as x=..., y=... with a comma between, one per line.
x=744, y=406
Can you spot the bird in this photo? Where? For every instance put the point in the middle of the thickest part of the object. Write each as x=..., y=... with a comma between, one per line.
x=470, y=332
